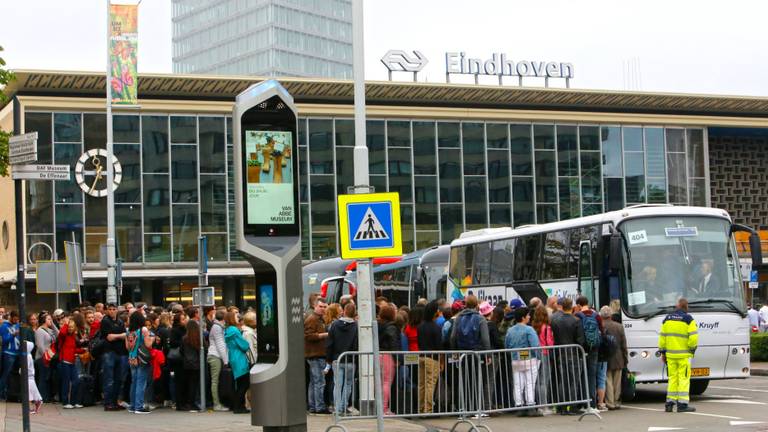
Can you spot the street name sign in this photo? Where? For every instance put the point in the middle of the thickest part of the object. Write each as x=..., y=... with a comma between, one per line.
x=40, y=172
x=370, y=225
x=22, y=148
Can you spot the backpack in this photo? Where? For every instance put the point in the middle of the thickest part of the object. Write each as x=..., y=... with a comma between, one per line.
x=591, y=330
x=468, y=332
x=608, y=346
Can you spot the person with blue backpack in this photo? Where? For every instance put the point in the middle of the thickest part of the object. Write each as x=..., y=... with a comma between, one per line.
x=470, y=333
x=593, y=331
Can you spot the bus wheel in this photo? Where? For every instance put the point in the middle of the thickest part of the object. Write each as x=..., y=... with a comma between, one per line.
x=699, y=386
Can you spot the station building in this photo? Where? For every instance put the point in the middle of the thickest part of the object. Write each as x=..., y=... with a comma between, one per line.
x=461, y=156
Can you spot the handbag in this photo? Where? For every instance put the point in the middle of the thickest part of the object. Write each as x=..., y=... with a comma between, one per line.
x=226, y=385
x=174, y=356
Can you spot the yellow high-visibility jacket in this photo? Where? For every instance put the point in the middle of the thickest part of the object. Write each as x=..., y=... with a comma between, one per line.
x=679, y=335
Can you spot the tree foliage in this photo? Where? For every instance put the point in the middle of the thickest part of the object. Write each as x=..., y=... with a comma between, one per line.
x=6, y=76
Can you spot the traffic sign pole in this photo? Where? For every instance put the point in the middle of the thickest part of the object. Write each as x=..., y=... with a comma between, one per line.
x=21, y=291
x=368, y=332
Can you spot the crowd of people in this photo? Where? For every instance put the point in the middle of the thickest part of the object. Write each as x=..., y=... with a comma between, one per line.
x=331, y=330
x=130, y=357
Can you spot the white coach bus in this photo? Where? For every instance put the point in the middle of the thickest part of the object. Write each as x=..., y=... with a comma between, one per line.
x=643, y=258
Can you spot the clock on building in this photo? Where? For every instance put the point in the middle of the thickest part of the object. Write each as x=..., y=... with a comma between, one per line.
x=91, y=172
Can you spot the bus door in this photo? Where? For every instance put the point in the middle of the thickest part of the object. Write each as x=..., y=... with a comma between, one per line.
x=586, y=284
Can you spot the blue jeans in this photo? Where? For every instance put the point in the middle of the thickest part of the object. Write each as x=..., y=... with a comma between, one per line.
x=114, y=370
x=316, y=391
x=592, y=377
x=602, y=373
x=8, y=361
x=345, y=377
x=69, y=383
x=139, y=376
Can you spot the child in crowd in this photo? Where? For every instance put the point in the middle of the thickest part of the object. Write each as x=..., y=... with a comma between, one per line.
x=34, y=394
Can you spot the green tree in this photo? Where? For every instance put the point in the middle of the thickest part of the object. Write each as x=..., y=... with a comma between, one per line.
x=6, y=76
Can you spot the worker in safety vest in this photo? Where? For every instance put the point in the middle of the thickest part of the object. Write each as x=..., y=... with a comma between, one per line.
x=677, y=343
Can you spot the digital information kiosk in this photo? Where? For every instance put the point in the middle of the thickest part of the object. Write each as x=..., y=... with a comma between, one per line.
x=268, y=236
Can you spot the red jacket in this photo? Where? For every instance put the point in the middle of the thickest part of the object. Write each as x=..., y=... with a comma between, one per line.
x=66, y=345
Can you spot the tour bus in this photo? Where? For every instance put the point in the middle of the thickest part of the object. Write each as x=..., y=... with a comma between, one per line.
x=402, y=280
x=420, y=274
x=640, y=259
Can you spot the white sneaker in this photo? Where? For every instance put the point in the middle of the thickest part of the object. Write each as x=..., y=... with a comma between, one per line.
x=124, y=404
x=68, y=406
x=353, y=411
x=78, y=406
x=220, y=408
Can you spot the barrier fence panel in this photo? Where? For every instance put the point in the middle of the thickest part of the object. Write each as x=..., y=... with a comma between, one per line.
x=464, y=384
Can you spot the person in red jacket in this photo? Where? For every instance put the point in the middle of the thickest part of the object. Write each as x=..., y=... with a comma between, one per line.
x=67, y=349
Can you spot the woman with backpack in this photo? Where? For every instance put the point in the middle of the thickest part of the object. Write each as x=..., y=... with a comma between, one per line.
x=138, y=342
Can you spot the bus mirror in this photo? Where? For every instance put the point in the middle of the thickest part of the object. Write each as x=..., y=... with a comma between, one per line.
x=418, y=282
x=755, y=248
x=615, y=252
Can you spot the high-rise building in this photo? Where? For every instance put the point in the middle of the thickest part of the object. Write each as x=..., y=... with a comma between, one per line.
x=301, y=38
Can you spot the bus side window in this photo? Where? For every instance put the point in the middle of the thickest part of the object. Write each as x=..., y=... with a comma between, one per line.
x=586, y=280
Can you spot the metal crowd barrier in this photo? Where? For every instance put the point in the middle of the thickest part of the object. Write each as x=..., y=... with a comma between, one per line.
x=467, y=384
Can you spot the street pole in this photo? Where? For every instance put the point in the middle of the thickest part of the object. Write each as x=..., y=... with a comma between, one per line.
x=21, y=291
x=202, y=280
x=111, y=291
x=368, y=341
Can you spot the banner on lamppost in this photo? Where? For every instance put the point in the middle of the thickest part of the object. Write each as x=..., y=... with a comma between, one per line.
x=123, y=44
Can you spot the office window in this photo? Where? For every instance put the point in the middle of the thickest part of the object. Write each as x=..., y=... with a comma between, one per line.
x=424, y=158
x=320, y=146
x=377, y=156
x=474, y=148
x=520, y=140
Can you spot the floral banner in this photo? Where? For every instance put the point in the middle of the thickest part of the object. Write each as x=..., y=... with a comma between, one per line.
x=123, y=43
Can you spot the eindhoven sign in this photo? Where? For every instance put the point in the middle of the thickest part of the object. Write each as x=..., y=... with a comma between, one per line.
x=457, y=63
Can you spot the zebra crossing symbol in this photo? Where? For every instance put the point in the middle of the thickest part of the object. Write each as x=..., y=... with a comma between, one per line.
x=370, y=228
x=369, y=225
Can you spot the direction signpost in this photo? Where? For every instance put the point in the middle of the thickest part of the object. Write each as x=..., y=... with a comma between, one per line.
x=22, y=148
x=40, y=172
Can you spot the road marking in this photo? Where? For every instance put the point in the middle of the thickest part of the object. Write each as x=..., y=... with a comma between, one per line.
x=643, y=408
x=743, y=423
x=737, y=388
x=694, y=413
x=658, y=429
x=734, y=401
x=713, y=415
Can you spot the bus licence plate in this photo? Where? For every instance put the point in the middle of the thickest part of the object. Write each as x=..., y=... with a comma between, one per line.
x=699, y=372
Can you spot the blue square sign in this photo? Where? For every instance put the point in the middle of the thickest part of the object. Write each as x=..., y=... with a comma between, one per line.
x=370, y=225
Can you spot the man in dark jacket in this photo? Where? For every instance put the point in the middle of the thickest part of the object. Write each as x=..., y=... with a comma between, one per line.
x=618, y=357
x=342, y=337
x=314, y=351
x=114, y=361
x=470, y=332
x=567, y=330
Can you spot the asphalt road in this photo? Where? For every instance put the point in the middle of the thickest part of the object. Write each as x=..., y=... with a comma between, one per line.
x=733, y=405
x=730, y=405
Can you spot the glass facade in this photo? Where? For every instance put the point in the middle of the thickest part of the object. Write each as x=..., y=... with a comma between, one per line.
x=253, y=37
x=452, y=176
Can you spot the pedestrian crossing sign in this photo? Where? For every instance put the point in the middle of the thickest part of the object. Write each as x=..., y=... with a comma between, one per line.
x=370, y=225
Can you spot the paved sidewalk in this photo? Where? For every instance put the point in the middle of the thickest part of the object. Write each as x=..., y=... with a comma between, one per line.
x=53, y=418
x=759, y=368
